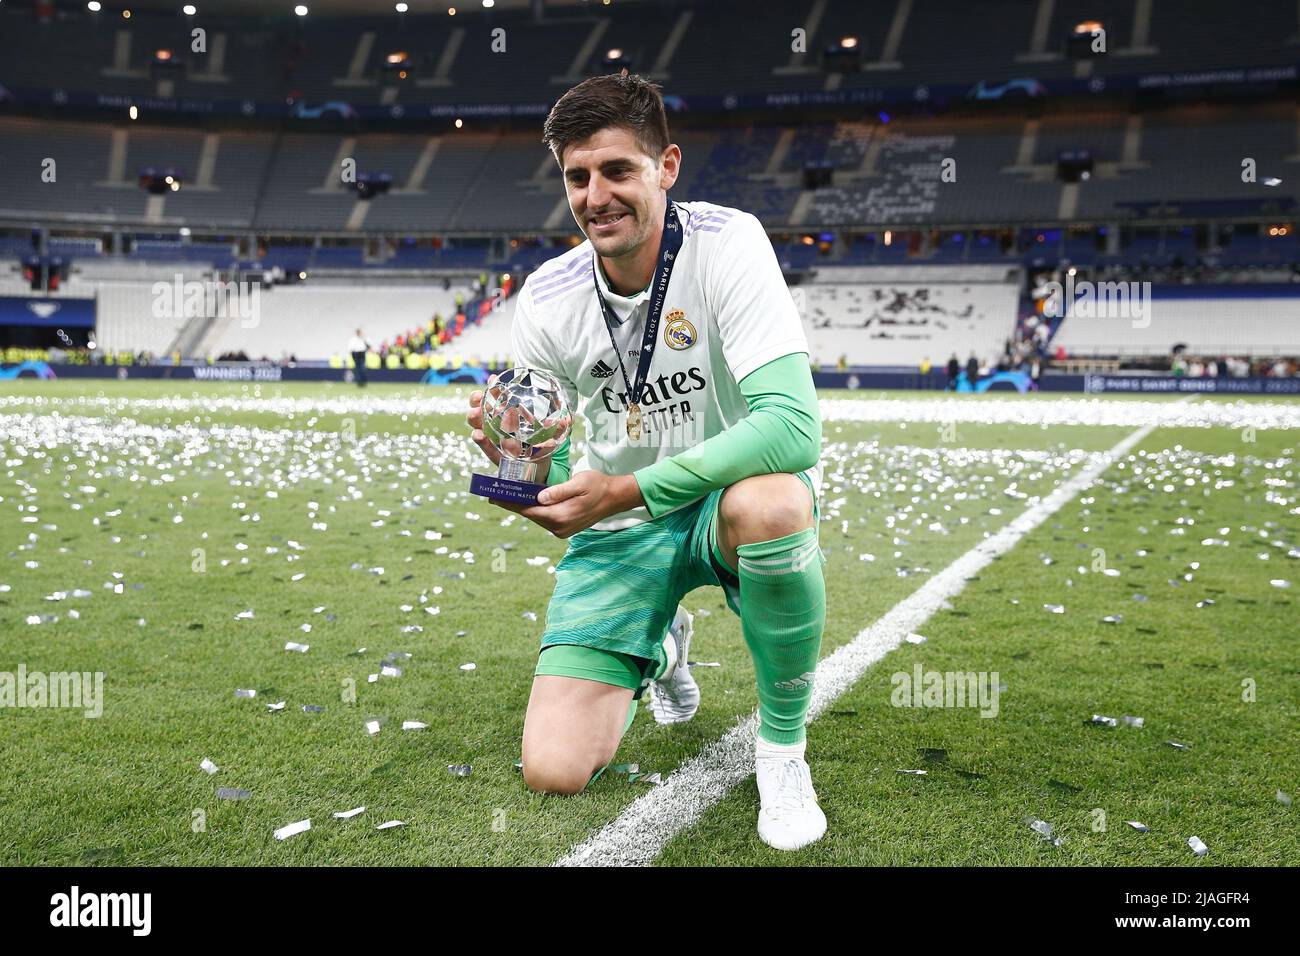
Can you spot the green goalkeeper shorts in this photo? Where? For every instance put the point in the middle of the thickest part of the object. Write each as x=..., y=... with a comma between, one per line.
x=618, y=590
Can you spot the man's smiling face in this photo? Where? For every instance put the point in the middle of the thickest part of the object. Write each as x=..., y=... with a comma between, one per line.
x=616, y=191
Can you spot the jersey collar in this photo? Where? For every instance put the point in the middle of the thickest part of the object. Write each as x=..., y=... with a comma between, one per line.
x=619, y=303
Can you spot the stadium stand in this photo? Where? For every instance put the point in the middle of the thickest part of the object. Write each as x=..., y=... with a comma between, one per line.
x=842, y=167
x=898, y=316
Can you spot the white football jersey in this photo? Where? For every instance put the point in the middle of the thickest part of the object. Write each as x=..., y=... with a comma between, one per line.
x=727, y=312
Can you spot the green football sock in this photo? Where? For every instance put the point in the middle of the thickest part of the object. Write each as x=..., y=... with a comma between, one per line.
x=782, y=613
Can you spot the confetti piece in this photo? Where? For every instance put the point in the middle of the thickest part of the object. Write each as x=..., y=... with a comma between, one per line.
x=313, y=709
x=1054, y=608
x=1140, y=827
x=207, y=766
x=1104, y=721
x=1044, y=830
x=1177, y=746
x=1284, y=798
x=245, y=692
x=276, y=706
x=348, y=814
x=295, y=646
x=460, y=770
x=915, y=639
x=231, y=793
x=1199, y=848
x=391, y=824
x=1133, y=721
x=372, y=727
x=469, y=667
x=292, y=829
x=413, y=725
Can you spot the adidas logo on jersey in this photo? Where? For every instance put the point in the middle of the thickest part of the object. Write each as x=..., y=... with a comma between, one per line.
x=601, y=370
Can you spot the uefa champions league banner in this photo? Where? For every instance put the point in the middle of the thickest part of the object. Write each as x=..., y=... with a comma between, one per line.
x=1012, y=88
x=47, y=312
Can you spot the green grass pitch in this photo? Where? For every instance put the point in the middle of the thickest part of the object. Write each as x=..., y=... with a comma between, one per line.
x=203, y=504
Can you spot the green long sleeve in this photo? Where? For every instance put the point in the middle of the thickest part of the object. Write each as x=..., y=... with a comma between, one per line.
x=782, y=433
x=559, y=464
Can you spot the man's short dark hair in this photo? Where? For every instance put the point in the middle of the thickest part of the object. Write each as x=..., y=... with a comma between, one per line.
x=620, y=100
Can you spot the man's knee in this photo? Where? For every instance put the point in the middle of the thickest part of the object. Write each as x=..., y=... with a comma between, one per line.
x=766, y=507
x=556, y=772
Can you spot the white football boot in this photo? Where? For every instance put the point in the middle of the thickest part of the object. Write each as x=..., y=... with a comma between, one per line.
x=789, y=817
x=675, y=697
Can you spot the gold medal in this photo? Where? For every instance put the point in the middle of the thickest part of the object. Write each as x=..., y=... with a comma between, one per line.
x=634, y=421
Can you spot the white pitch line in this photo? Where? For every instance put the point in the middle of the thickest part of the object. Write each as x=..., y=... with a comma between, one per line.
x=642, y=830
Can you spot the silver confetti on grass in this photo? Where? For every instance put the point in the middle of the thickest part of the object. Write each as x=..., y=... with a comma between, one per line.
x=460, y=769
x=1054, y=608
x=1140, y=827
x=1044, y=830
x=391, y=824
x=1133, y=721
x=1198, y=847
x=915, y=639
x=293, y=829
x=1103, y=721
x=372, y=727
x=1177, y=746
x=207, y=766
x=246, y=692
x=348, y=814
x=233, y=793
x=295, y=646
x=1284, y=798
x=278, y=705
x=313, y=709
x=413, y=725
x=469, y=667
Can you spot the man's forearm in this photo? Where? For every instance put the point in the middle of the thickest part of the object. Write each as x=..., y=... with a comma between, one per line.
x=781, y=434
x=624, y=494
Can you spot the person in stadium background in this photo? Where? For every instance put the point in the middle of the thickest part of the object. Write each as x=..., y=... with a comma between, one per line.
x=357, y=348
x=737, y=508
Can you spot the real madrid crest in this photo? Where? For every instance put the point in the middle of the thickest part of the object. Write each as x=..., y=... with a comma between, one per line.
x=678, y=333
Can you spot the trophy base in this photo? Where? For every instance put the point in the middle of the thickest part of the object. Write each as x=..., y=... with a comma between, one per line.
x=505, y=489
